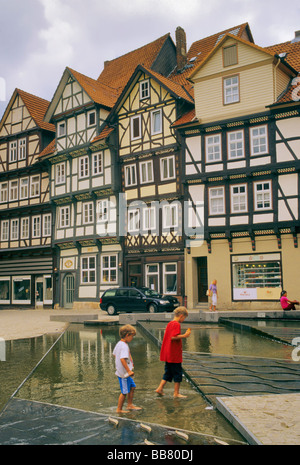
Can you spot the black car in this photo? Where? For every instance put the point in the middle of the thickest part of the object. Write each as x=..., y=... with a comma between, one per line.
x=132, y=299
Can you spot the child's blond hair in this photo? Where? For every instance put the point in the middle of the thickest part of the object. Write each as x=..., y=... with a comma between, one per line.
x=125, y=330
x=181, y=311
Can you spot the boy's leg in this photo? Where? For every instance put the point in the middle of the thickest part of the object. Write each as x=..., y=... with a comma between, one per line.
x=130, y=401
x=159, y=390
x=121, y=400
x=176, y=391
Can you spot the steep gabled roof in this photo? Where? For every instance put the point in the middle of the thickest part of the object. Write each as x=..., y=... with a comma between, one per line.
x=36, y=107
x=117, y=72
x=96, y=90
x=200, y=49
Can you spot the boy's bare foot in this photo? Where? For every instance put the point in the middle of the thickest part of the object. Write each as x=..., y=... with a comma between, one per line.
x=180, y=396
x=159, y=392
x=122, y=411
x=133, y=407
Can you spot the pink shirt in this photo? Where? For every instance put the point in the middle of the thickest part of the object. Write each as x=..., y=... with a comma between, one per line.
x=284, y=302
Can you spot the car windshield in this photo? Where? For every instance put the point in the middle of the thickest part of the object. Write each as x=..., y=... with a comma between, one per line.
x=150, y=292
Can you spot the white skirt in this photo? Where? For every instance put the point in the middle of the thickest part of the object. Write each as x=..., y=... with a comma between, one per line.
x=214, y=299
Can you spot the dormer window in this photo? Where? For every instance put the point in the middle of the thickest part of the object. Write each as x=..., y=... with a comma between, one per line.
x=144, y=89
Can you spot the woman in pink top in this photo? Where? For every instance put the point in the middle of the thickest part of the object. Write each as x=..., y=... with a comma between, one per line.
x=287, y=304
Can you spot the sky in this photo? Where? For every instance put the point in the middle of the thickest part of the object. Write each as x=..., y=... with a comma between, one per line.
x=40, y=38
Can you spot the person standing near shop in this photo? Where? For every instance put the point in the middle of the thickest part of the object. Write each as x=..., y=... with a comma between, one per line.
x=213, y=292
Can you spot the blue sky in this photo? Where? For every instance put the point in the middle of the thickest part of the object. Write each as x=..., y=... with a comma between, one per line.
x=41, y=37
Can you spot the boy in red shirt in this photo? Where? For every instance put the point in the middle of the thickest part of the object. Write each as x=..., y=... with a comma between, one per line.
x=171, y=351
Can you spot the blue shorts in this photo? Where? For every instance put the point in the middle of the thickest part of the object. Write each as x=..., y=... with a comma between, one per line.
x=126, y=384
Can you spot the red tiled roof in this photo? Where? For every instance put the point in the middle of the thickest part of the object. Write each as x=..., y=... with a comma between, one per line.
x=49, y=150
x=97, y=91
x=37, y=108
x=103, y=134
x=186, y=118
x=292, y=49
x=117, y=72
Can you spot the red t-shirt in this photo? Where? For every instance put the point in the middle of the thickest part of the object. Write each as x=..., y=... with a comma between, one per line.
x=171, y=351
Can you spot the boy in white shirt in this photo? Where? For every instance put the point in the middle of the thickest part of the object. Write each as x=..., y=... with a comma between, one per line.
x=124, y=368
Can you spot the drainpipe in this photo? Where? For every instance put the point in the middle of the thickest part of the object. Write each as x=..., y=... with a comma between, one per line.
x=275, y=80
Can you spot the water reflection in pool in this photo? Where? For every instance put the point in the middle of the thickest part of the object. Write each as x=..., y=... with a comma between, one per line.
x=79, y=373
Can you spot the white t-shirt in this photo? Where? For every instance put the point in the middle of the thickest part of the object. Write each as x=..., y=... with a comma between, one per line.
x=121, y=350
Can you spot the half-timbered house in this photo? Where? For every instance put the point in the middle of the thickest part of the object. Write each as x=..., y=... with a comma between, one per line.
x=152, y=204
x=26, y=258
x=241, y=170
x=85, y=175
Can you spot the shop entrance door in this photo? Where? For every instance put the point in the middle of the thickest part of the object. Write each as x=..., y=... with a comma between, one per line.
x=39, y=291
x=202, y=279
x=69, y=285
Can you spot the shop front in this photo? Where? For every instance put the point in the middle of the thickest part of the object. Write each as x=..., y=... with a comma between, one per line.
x=26, y=281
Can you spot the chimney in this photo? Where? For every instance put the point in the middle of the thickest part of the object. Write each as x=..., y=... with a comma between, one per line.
x=297, y=37
x=180, y=47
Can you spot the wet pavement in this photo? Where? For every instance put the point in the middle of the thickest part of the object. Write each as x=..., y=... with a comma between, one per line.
x=268, y=418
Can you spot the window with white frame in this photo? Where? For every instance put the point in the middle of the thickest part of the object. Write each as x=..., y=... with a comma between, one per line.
x=262, y=195
x=133, y=220
x=259, y=140
x=170, y=215
x=136, y=127
x=61, y=129
x=144, y=89
x=35, y=186
x=4, y=230
x=239, y=198
x=109, y=268
x=22, y=149
x=216, y=201
x=146, y=171
x=152, y=276
x=24, y=188
x=14, y=229
x=213, y=148
x=13, y=190
x=60, y=173
x=149, y=219
x=25, y=228
x=170, y=278
x=3, y=192
x=83, y=167
x=13, y=147
x=167, y=168
x=36, y=226
x=88, y=212
x=102, y=210
x=97, y=163
x=47, y=225
x=64, y=216
x=91, y=118
x=156, y=122
x=231, y=90
x=235, y=145
x=130, y=175
x=88, y=269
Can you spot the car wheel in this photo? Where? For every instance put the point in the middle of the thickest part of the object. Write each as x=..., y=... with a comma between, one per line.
x=152, y=308
x=111, y=310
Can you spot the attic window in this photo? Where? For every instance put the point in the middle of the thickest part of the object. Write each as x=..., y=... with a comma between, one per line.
x=230, y=55
x=144, y=89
